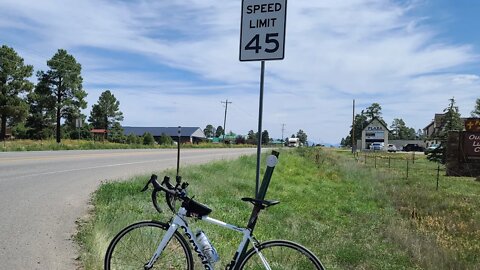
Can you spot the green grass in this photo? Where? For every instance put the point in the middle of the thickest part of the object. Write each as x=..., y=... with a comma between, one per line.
x=67, y=144
x=349, y=214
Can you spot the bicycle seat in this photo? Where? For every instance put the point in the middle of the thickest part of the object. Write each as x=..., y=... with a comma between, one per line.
x=262, y=203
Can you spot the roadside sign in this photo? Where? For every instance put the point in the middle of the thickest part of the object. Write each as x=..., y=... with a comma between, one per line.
x=471, y=144
x=472, y=124
x=262, y=34
x=78, y=123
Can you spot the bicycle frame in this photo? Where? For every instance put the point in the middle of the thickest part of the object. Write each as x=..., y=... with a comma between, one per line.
x=179, y=222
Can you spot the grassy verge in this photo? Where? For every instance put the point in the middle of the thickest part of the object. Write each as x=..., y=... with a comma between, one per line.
x=347, y=213
x=32, y=145
x=440, y=225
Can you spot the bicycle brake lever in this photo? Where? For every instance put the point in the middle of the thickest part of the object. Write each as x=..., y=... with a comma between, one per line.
x=166, y=182
x=152, y=178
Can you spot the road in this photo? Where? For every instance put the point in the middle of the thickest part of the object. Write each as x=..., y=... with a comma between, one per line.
x=42, y=194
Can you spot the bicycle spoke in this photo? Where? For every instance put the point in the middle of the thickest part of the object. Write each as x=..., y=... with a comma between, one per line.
x=134, y=247
x=281, y=255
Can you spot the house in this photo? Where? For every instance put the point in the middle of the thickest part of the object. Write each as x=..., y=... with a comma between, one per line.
x=99, y=134
x=375, y=131
x=187, y=134
x=432, y=130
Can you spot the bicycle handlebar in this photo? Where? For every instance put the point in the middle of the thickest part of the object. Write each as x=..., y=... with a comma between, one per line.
x=177, y=192
x=157, y=187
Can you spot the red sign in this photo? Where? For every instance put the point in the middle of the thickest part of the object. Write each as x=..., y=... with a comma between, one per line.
x=471, y=144
x=472, y=124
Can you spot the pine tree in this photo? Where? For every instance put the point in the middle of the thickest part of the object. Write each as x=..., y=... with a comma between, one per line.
x=302, y=137
x=65, y=84
x=219, y=132
x=209, y=131
x=374, y=111
x=265, y=137
x=476, y=111
x=451, y=122
x=13, y=86
x=452, y=119
x=41, y=120
x=106, y=113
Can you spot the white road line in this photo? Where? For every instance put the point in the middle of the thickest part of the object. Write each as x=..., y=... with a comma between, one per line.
x=114, y=165
x=94, y=167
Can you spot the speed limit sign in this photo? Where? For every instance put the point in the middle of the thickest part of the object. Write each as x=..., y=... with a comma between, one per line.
x=262, y=34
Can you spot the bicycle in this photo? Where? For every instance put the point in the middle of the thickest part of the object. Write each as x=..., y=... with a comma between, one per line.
x=158, y=245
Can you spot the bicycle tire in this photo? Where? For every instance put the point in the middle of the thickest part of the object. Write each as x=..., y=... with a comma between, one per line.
x=133, y=247
x=281, y=255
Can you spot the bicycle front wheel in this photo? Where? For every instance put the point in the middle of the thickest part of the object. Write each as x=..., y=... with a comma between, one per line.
x=280, y=255
x=133, y=247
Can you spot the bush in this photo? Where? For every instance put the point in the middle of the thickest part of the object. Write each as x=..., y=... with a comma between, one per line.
x=132, y=139
x=148, y=139
x=20, y=131
x=165, y=140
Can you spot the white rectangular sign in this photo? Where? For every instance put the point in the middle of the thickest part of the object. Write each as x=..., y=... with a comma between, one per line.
x=262, y=34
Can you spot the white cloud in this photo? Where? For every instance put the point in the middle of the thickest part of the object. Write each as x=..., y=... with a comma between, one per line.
x=370, y=50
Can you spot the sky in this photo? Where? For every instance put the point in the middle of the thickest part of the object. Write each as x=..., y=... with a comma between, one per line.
x=172, y=63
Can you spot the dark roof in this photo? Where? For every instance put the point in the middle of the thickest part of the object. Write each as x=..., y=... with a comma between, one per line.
x=170, y=131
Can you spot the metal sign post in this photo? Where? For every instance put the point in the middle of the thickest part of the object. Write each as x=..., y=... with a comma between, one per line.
x=259, y=139
x=178, y=149
x=262, y=37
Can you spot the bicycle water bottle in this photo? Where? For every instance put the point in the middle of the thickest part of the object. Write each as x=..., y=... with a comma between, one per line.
x=207, y=247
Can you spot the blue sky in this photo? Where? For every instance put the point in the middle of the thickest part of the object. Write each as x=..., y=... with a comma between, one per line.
x=171, y=63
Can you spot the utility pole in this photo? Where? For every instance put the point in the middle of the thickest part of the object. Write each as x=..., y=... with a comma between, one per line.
x=225, y=118
x=283, y=129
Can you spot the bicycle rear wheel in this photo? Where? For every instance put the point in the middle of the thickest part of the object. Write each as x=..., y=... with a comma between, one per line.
x=280, y=255
x=133, y=247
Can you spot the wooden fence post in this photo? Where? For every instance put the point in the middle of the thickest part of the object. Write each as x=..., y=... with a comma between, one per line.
x=407, y=167
x=438, y=174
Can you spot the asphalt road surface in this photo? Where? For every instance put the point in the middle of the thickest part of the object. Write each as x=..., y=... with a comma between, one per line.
x=42, y=194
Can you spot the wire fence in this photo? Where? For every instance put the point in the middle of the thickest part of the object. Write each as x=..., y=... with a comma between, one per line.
x=409, y=166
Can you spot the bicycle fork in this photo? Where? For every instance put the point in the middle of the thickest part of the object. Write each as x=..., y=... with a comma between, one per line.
x=262, y=258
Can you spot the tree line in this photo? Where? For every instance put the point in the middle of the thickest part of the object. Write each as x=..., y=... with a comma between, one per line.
x=399, y=130
x=252, y=137
x=52, y=106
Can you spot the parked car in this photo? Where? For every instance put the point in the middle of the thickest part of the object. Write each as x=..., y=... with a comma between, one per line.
x=391, y=148
x=413, y=147
x=432, y=147
x=377, y=146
